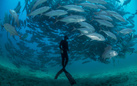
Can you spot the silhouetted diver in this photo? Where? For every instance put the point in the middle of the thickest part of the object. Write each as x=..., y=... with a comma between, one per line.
x=64, y=48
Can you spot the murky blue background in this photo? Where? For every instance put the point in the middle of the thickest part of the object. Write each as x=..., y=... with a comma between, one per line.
x=130, y=62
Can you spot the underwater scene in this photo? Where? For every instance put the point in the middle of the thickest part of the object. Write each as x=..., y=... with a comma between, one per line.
x=68, y=43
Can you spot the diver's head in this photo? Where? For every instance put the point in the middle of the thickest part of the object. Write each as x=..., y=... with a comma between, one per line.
x=65, y=37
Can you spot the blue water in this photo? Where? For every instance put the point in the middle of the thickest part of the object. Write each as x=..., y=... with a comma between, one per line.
x=77, y=69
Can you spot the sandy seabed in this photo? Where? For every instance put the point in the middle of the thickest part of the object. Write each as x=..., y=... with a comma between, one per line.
x=9, y=77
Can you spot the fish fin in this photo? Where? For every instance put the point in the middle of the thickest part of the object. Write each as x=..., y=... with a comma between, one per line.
x=59, y=6
x=27, y=15
x=117, y=31
x=73, y=29
x=56, y=21
x=41, y=14
x=57, y=16
x=33, y=8
x=11, y=34
x=92, y=19
x=80, y=35
x=100, y=30
x=66, y=23
x=49, y=17
x=34, y=16
x=20, y=36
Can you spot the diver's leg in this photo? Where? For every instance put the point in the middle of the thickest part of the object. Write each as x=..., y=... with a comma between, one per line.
x=62, y=55
x=58, y=73
x=66, y=62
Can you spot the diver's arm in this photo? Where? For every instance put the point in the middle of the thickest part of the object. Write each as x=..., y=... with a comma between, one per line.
x=67, y=47
x=60, y=45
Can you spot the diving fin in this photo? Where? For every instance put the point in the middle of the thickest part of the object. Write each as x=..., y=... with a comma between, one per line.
x=70, y=78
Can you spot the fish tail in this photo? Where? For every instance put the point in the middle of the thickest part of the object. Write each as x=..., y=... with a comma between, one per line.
x=20, y=36
x=73, y=29
x=59, y=6
x=92, y=19
x=33, y=8
x=117, y=31
x=56, y=21
x=80, y=35
x=100, y=30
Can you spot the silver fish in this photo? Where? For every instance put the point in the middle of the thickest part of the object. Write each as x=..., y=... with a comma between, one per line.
x=98, y=1
x=116, y=15
x=109, y=53
x=10, y=29
x=38, y=3
x=39, y=11
x=104, y=17
x=102, y=13
x=87, y=25
x=84, y=31
x=101, y=7
x=56, y=13
x=73, y=19
x=15, y=16
x=110, y=34
x=126, y=31
x=104, y=22
x=89, y=5
x=96, y=36
x=119, y=17
x=74, y=8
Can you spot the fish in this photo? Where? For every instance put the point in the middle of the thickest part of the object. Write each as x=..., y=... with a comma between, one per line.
x=87, y=25
x=109, y=53
x=130, y=18
x=38, y=2
x=118, y=1
x=73, y=19
x=75, y=8
x=83, y=31
x=110, y=12
x=119, y=17
x=104, y=22
x=110, y=34
x=56, y=13
x=39, y=11
x=97, y=1
x=11, y=29
x=126, y=2
x=126, y=31
x=136, y=12
x=89, y=5
x=26, y=3
x=102, y=13
x=18, y=7
x=101, y=7
x=85, y=62
x=15, y=16
x=116, y=15
x=104, y=17
x=96, y=36
x=24, y=36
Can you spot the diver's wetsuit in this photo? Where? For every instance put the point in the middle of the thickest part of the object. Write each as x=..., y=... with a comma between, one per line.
x=64, y=46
